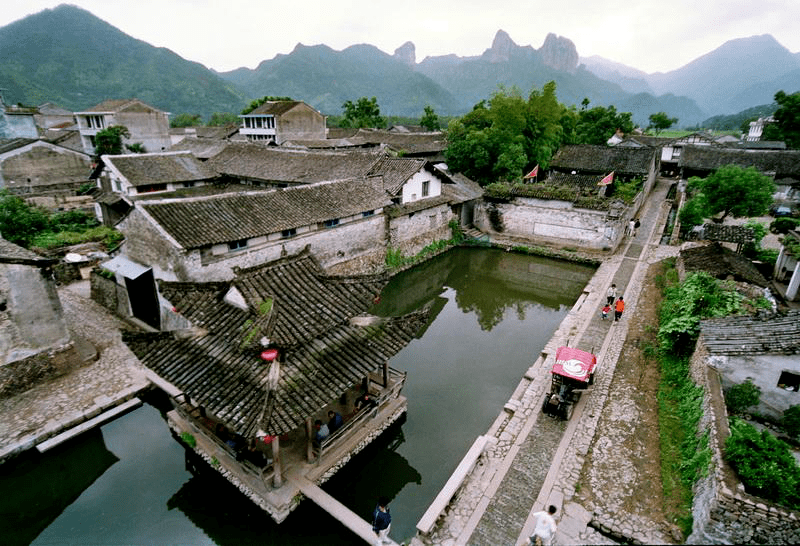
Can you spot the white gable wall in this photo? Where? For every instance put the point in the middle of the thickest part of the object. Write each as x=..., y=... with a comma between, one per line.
x=412, y=189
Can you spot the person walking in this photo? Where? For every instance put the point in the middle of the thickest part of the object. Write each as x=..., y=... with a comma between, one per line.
x=382, y=521
x=619, y=307
x=604, y=313
x=611, y=294
x=545, y=529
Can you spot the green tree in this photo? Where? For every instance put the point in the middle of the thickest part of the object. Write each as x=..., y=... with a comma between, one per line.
x=186, y=120
x=791, y=421
x=136, y=148
x=660, y=121
x=596, y=125
x=362, y=113
x=108, y=141
x=498, y=140
x=220, y=119
x=731, y=190
x=20, y=222
x=740, y=397
x=430, y=120
x=787, y=120
x=258, y=102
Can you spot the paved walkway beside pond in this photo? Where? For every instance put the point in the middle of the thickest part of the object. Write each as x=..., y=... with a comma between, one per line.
x=30, y=418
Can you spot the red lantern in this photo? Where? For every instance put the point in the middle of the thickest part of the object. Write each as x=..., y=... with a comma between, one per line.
x=269, y=355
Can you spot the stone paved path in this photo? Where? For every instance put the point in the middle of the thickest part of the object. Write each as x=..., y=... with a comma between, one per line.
x=49, y=408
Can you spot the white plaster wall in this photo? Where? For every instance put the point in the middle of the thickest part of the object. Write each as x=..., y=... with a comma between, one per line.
x=412, y=189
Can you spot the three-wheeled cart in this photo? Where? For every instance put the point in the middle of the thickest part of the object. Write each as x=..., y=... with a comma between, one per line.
x=572, y=374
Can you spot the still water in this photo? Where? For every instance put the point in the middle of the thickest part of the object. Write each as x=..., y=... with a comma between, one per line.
x=492, y=312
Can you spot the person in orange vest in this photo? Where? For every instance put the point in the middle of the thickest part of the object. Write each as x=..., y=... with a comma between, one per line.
x=619, y=307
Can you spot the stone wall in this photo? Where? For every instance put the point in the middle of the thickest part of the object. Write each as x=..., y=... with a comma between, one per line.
x=109, y=294
x=411, y=232
x=723, y=512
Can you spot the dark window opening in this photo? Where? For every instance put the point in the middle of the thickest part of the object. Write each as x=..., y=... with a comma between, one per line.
x=789, y=381
x=367, y=213
x=237, y=245
x=149, y=188
x=331, y=223
x=287, y=233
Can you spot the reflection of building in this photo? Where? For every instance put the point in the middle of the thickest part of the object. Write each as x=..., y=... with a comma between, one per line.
x=252, y=363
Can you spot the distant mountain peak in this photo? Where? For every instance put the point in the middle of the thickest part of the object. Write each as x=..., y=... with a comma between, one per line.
x=501, y=49
x=560, y=53
x=406, y=53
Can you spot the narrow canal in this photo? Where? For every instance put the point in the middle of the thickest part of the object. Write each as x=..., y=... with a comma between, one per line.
x=491, y=314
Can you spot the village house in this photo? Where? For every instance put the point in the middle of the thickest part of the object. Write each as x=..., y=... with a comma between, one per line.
x=52, y=116
x=570, y=206
x=278, y=121
x=17, y=121
x=147, y=125
x=250, y=366
x=45, y=174
x=702, y=161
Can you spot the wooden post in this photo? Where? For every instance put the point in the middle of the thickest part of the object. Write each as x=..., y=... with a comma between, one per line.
x=385, y=374
x=277, y=481
x=309, y=439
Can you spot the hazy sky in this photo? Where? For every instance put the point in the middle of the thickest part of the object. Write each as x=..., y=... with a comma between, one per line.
x=651, y=35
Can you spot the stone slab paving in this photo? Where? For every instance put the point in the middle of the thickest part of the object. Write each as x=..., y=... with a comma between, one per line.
x=501, y=491
x=50, y=408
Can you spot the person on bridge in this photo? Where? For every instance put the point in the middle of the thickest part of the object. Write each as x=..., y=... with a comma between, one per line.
x=545, y=529
x=619, y=307
x=382, y=521
x=611, y=294
x=335, y=421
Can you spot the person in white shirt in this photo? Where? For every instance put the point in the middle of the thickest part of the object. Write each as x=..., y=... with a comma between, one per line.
x=545, y=529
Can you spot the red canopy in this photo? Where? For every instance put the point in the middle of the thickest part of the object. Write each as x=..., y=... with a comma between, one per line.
x=574, y=363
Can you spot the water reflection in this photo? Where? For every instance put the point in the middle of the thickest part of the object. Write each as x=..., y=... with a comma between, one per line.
x=492, y=313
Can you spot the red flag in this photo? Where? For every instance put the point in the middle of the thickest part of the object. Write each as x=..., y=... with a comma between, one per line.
x=533, y=173
x=607, y=180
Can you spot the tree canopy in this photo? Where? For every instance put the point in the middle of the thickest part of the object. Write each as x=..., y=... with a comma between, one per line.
x=430, y=120
x=108, y=141
x=660, y=121
x=595, y=125
x=186, y=120
x=787, y=120
x=729, y=190
x=363, y=113
x=220, y=119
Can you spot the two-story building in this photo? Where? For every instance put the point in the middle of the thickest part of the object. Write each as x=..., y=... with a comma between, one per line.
x=278, y=121
x=147, y=125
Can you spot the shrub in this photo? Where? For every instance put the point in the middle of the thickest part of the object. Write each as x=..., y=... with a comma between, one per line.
x=188, y=439
x=783, y=225
x=764, y=464
x=742, y=396
x=791, y=421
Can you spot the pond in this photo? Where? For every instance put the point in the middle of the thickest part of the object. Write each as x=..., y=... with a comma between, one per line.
x=491, y=314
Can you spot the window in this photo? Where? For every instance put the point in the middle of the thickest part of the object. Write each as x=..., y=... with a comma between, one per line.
x=149, y=188
x=287, y=233
x=238, y=245
x=94, y=122
x=426, y=188
x=367, y=213
x=331, y=223
x=188, y=184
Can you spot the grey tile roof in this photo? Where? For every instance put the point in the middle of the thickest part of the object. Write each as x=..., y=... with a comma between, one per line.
x=201, y=147
x=604, y=159
x=9, y=144
x=228, y=378
x=11, y=253
x=771, y=334
x=396, y=171
x=255, y=161
x=275, y=108
x=159, y=168
x=118, y=105
x=205, y=221
x=411, y=143
x=781, y=162
x=721, y=262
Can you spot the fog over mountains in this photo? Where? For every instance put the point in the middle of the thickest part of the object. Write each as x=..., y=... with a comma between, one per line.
x=68, y=56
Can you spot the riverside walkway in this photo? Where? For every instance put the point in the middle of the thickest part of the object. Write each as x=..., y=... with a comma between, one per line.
x=536, y=460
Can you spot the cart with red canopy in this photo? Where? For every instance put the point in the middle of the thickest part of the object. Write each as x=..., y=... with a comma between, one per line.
x=571, y=375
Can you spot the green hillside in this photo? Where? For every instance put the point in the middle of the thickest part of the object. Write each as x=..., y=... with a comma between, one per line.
x=69, y=57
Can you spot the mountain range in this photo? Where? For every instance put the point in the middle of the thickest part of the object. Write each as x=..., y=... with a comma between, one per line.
x=67, y=56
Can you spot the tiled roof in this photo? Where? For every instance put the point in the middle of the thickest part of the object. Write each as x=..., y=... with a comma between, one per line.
x=781, y=162
x=412, y=143
x=140, y=169
x=205, y=221
x=720, y=262
x=272, y=164
x=396, y=171
x=462, y=189
x=117, y=105
x=773, y=334
x=726, y=233
x=230, y=381
x=275, y=108
x=604, y=159
x=201, y=147
x=11, y=253
x=8, y=144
